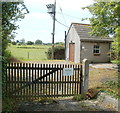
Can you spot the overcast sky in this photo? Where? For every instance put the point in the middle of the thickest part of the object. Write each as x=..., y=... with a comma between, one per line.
x=38, y=23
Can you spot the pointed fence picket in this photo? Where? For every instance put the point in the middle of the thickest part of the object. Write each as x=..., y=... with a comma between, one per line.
x=27, y=81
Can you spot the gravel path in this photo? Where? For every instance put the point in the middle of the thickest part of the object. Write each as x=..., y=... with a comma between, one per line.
x=59, y=105
x=102, y=103
x=104, y=65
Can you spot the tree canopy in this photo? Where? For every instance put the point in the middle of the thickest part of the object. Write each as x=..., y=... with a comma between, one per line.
x=105, y=18
x=11, y=13
x=38, y=42
x=30, y=43
x=105, y=21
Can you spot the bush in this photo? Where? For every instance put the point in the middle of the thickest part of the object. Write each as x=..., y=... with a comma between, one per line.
x=59, y=52
x=14, y=43
x=7, y=55
x=9, y=105
x=13, y=59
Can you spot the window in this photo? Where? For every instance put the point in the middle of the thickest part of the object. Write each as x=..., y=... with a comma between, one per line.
x=96, y=49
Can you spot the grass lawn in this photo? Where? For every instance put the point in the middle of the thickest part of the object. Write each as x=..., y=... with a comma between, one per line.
x=115, y=61
x=29, y=52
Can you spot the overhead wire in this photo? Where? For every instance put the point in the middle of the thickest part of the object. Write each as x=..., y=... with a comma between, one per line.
x=69, y=15
x=65, y=24
x=62, y=13
x=59, y=22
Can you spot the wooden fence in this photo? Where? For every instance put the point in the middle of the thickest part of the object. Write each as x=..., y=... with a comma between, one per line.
x=27, y=81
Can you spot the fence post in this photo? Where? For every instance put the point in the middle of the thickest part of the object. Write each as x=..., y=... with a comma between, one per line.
x=28, y=55
x=85, y=76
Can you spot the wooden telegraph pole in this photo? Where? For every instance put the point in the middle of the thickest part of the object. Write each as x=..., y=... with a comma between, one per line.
x=53, y=34
x=52, y=12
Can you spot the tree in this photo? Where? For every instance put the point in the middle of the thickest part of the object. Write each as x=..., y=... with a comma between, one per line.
x=30, y=43
x=11, y=13
x=22, y=41
x=105, y=21
x=38, y=42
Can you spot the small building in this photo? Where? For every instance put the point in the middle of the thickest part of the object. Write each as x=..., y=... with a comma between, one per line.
x=80, y=44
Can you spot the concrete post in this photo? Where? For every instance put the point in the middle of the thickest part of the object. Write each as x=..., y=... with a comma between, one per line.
x=85, y=76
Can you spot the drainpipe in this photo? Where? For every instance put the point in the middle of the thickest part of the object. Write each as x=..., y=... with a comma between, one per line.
x=65, y=44
x=80, y=52
x=110, y=51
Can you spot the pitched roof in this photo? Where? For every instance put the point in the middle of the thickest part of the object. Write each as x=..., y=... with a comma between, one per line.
x=83, y=32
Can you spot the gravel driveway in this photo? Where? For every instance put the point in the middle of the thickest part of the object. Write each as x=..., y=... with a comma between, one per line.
x=104, y=65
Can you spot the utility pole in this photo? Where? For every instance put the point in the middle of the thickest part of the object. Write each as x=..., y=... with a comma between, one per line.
x=52, y=12
x=53, y=34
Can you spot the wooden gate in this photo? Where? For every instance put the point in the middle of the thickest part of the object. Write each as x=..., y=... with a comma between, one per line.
x=27, y=81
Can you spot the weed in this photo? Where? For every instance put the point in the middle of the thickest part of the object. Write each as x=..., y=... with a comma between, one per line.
x=115, y=61
x=9, y=105
x=78, y=97
x=112, y=88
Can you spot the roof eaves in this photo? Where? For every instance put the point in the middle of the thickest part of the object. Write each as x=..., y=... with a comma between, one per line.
x=96, y=39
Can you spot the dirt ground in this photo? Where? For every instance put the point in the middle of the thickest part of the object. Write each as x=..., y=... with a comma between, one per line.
x=99, y=73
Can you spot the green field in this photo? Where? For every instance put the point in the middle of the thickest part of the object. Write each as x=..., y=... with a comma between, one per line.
x=29, y=52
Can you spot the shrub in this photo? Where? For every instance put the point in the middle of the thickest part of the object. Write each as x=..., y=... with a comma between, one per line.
x=14, y=43
x=7, y=55
x=13, y=59
x=59, y=52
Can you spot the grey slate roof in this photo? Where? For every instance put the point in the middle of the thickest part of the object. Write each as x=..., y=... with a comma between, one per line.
x=83, y=32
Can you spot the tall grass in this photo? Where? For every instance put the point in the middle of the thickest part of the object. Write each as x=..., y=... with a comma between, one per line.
x=29, y=52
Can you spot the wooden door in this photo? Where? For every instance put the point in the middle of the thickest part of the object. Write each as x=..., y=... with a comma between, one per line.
x=71, y=52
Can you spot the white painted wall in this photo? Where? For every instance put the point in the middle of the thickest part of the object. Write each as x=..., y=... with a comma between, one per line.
x=73, y=37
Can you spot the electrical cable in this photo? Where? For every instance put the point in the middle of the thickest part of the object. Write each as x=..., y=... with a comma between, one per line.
x=61, y=23
x=62, y=13
x=69, y=15
x=58, y=21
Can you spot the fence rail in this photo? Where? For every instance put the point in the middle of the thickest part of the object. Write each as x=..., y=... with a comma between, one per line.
x=26, y=81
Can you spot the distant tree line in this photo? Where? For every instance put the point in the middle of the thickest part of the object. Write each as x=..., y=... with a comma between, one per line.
x=37, y=42
x=22, y=42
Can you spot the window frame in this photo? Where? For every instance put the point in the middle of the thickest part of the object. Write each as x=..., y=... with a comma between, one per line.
x=96, y=47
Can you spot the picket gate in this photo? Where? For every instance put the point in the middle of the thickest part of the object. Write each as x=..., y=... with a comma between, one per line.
x=29, y=81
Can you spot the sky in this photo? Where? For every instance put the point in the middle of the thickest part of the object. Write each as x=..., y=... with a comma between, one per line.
x=38, y=24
